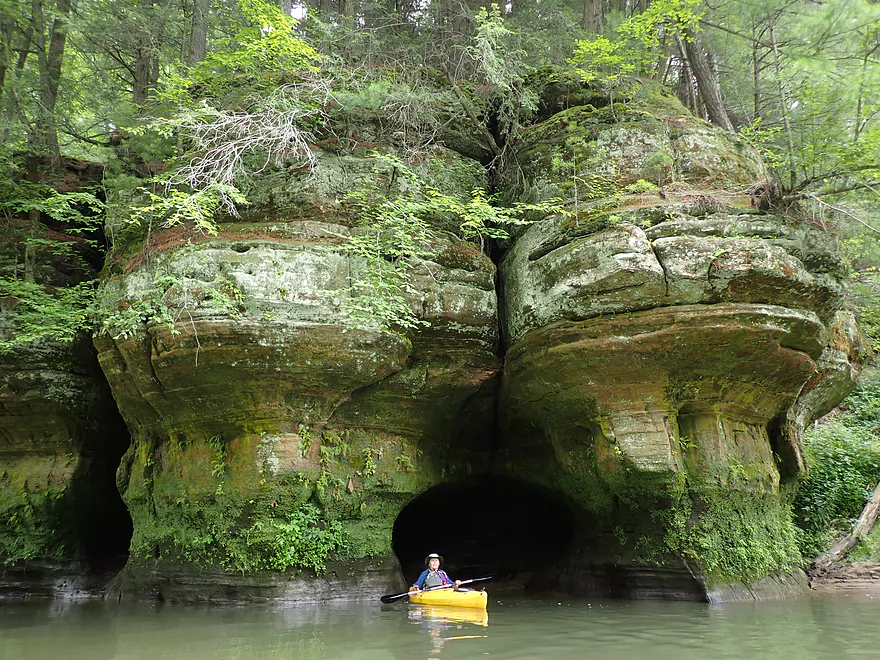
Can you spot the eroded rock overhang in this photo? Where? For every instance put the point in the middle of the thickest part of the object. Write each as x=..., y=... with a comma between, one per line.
x=664, y=350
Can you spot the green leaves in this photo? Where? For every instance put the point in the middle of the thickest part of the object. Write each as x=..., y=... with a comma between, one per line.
x=397, y=230
x=176, y=207
x=305, y=538
x=639, y=39
x=843, y=455
x=35, y=312
x=263, y=50
x=502, y=66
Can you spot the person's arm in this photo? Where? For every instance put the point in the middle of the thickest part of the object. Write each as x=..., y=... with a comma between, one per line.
x=450, y=581
x=418, y=584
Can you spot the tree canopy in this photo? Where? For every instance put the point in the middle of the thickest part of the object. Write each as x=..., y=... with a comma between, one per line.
x=181, y=101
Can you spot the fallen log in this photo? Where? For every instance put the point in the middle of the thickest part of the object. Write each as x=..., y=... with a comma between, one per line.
x=860, y=531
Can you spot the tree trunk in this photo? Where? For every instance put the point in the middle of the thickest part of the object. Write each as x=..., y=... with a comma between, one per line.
x=685, y=90
x=146, y=63
x=594, y=16
x=860, y=531
x=198, y=36
x=347, y=7
x=707, y=83
x=783, y=102
x=33, y=226
x=50, y=57
x=756, y=72
x=11, y=95
x=7, y=33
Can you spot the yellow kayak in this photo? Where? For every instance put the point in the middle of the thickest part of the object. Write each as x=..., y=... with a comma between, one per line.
x=450, y=598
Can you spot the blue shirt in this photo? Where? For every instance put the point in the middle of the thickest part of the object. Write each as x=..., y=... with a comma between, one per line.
x=420, y=583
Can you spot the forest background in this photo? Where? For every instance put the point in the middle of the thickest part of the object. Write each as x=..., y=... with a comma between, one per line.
x=118, y=116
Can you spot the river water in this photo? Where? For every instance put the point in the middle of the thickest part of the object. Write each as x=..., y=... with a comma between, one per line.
x=513, y=628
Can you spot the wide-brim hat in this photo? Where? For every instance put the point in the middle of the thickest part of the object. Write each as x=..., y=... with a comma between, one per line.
x=433, y=555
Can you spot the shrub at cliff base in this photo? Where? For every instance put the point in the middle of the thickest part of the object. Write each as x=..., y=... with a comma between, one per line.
x=843, y=453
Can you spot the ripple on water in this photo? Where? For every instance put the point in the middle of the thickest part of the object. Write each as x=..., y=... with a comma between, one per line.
x=515, y=629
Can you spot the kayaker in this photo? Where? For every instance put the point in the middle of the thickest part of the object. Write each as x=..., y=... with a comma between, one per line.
x=433, y=576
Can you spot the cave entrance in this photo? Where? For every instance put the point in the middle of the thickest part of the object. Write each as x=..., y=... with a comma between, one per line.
x=100, y=522
x=485, y=525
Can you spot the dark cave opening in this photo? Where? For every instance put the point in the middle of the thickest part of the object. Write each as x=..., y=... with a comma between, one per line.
x=485, y=525
x=101, y=525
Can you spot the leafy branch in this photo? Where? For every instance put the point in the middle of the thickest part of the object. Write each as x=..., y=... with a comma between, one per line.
x=396, y=231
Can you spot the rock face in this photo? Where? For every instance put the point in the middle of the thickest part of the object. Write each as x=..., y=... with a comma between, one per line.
x=63, y=527
x=62, y=524
x=254, y=401
x=664, y=345
x=666, y=349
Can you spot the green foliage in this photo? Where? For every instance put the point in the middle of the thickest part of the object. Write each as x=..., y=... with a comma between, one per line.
x=843, y=455
x=207, y=533
x=303, y=539
x=742, y=535
x=28, y=530
x=395, y=231
x=35, y=312
x=267, y=526
x=31, y=511
x=124, y=318
x=503, y=69
x=865, y=292
x=604, y=60
x=171, y=295
x=636, y=46
x=175, y=207
x=264, y=44
x=765, y=139
x=659, y=167
x=81, y=210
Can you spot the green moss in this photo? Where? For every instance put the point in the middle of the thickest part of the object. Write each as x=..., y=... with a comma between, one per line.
x=218, y=504
x=741, y=536
x=33, y=508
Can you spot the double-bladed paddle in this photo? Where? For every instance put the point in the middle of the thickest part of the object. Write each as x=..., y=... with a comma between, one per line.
x=390, y=598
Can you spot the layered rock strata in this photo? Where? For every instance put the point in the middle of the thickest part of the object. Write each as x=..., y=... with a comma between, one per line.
x=255, y=399
x=667, y=346
x=664, y=341
x=61, y=522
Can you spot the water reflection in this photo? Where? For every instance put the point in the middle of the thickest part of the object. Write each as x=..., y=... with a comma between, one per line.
x=446, y=624
x=522, y=629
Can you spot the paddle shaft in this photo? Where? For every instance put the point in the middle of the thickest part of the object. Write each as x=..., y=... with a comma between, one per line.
x=389, y=598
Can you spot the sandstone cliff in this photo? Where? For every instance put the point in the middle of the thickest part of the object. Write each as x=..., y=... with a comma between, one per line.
x=663, y=344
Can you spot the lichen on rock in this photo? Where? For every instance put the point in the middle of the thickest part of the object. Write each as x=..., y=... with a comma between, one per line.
x=664, y=341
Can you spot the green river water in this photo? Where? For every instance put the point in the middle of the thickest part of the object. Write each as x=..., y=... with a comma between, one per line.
x=515, y=627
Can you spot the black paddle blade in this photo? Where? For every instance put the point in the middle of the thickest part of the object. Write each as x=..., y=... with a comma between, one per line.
x=390, y=598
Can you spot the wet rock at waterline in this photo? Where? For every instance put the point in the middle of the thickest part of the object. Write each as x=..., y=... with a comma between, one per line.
x=63, y=527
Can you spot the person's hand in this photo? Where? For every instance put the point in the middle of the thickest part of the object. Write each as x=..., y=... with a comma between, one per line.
x=414, y=588
x=457, y=584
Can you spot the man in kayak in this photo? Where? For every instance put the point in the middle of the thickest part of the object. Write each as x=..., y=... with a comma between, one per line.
x=433, y=576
